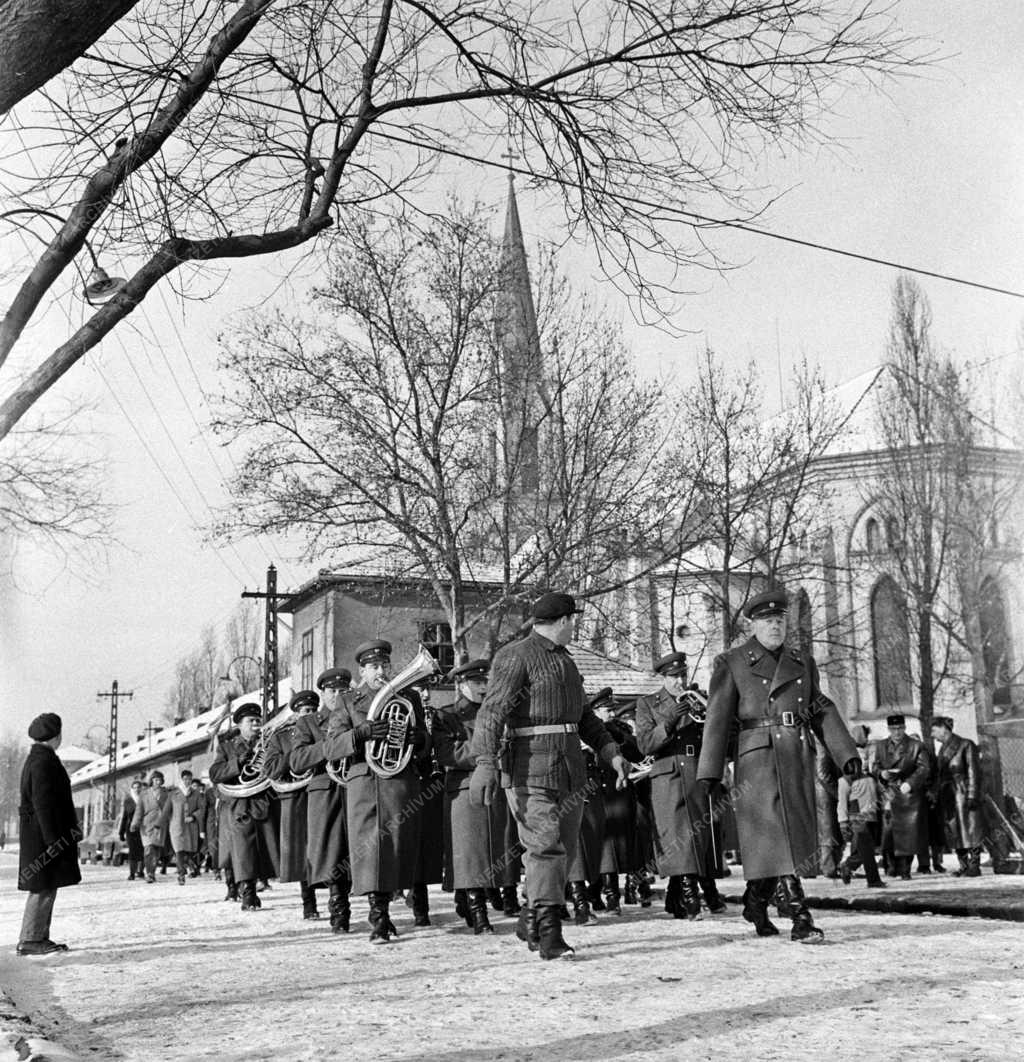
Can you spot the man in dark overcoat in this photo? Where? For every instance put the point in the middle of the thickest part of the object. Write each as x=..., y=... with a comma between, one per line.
x=383, y=826
x=536, y=692
x=430, y=811
x=902, y=769
x=249, y=841
x=957, y=795
x=326, y=831
x=768, y=695
x=666, y=730
x=49, y=834
x=476, y=852
x=292, y=865
x=131, y=837
x=584, y=870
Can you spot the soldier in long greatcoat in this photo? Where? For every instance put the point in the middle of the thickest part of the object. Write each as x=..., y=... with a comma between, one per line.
x=326, y=831
x=430, y=859
x=903, y=769
x=957, y=795
x=667, y=730
x=770, y=694
x=248, y=843
x=292, y=865
x=383, y=827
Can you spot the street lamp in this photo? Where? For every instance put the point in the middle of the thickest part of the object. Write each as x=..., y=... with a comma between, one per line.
x=226, y=677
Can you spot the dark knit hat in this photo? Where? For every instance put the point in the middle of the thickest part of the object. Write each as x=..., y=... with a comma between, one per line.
x=44, y=727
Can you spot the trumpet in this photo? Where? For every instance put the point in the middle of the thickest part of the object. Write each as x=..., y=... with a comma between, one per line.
x=696, y=703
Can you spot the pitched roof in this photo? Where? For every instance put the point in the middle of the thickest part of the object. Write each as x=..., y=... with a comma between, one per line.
x=599, y=671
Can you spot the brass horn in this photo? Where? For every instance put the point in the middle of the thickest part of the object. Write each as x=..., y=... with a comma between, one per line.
x=252, y=778
x=390, y=755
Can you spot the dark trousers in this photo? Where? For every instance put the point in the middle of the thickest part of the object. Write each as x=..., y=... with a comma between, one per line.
x=862, y=850
x=151, y=857
x=549, y=830
x=35, y=925
x=185, y=862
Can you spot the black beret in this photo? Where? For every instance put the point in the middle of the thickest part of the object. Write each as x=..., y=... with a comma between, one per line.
x=601, y=697
x=302, y=699
x=768, y=603
x=554, y=606
x=246, y=711
x=378, y=649
x=942, y=720
x=471, y=669
x=44, y=727
x=671, y=664
x=895, y=720
x=335, y=677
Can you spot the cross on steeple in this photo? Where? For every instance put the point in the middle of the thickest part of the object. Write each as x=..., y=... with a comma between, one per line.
x=511, y=155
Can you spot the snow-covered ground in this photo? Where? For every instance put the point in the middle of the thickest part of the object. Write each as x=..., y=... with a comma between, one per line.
x=162, y=972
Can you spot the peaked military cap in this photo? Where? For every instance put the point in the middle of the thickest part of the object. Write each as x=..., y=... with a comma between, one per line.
x=471, y=669
x=246, y=711
x=334, y=678
x=602, y=697
x=554, y=606
x=377, y=649
x=768, y=603
x=895, y=720
x=303, y=699
x=671, y=664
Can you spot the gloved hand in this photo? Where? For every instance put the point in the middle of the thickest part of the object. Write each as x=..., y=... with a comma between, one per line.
x=483, y=785
x=621, y=768
x=853, y=768
x=710, y=788
x=905, y=788
x=371, y=731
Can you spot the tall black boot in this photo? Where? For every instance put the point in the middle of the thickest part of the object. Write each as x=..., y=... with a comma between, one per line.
x=549, y=929
x=582, y=915
x=478, y=911
x=462, y=906
x=643, y=890
x=594, y=895
x=338, y=906
x=712, y=897
x=380, y=919
x=526, y=928
x=420, y=905
x=673, y=905
x=804, y=930
x=629, y=894
x=755, y=905
x=689, y=897
x=612, y=896
x=973, y=863
x=308, y=894
x=509, y=900
x=494, y=898
x=247, y=890
x=229, y=879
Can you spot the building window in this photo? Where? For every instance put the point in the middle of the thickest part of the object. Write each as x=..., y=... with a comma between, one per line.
x=871, y=535
x=436, y=638
x=306, y=661
x=891, y=637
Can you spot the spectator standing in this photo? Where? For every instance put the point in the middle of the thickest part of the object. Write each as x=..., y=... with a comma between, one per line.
x=857, y=808
x=127, y=834
x=152, y=811
x=957, y=795
x=184, y=816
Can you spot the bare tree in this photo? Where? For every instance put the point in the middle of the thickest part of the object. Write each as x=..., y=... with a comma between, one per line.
x=242, y=649
x=202, y=134
x=391, y=422
x=13, y=751
x=196, y=679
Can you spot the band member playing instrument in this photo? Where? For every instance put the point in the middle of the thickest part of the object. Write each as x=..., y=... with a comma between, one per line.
x=537, y=691
x=292, y=803
x=475, y=841
x=251, y=848
x=771, y=693
x=326, y=830
x=667, y=730
x=383, y=835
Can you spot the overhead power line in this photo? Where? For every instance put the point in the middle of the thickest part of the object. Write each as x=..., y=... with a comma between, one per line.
x=703, y=219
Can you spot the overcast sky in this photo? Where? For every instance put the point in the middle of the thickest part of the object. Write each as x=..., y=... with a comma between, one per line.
x=929, y=175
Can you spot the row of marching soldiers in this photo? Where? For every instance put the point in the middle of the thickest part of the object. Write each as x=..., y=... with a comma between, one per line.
x=378, y=836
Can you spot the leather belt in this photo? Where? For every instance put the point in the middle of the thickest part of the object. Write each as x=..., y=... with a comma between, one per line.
x=786, y=719
x=686, y=750
x=548, y=728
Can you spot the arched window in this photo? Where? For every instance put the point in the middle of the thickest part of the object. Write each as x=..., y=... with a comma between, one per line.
x=891, y=638
x=802, y=608
x=995, y=643
x=871, y=535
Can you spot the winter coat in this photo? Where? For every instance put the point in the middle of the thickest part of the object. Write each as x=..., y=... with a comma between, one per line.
x=326, y=831
x=777, y=711
x=958, y=792
x=152, y=814
x=49, y=829
x=907, y=760
x=292, y=864
x=184, y=819
x=126, y=833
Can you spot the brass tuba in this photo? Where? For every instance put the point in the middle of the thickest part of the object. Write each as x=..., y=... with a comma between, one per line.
x=252, y=778
x=390, y=755
x=294, y=782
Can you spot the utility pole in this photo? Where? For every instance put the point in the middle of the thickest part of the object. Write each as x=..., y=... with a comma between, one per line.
x=273, y=600
x=110, y=790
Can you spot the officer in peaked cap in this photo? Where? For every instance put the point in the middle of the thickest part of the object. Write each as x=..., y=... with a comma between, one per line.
x=246, y=711
x=334, y=678
x=903, y=768
x=304, y=699
x=671, y=665
x=771, y=692
x=470, y=671
x=376, y=651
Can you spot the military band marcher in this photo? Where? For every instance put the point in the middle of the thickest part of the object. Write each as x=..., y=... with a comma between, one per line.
x=475, y=837
x=326, y=830
x=293, y=864
x=430, y=861
x=666, y=728
x=771, y=693
x=584, y=871
x=383, y=829
x=250, y=848
x=902, y=768
x=536, y=691
x=957, y=795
